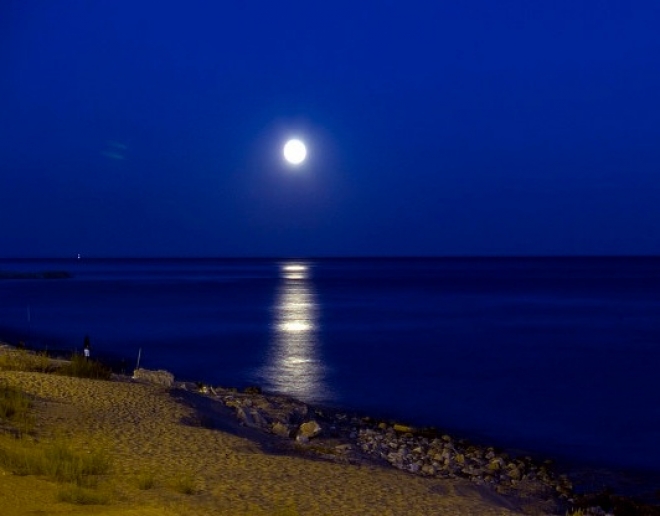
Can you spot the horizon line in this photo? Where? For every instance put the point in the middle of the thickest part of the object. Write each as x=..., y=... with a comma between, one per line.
x=330, y=257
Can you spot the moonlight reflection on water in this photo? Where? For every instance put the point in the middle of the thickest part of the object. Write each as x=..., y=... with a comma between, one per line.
x=294, y=364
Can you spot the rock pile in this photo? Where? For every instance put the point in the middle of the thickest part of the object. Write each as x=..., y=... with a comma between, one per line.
x=345, y=437
x=443, y=456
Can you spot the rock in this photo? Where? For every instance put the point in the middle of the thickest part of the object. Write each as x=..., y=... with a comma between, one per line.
x=514, y=472
x=251, y=417
x=252, y=389
x=232, y=402
x=428, y=469
x=281, y=429
x=343, y=448
x=160, y=377
x=310, y=429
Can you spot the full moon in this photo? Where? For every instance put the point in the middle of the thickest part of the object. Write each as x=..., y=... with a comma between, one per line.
x=295, y=152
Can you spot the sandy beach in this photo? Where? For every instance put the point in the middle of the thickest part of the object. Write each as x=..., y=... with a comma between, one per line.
x=147, y=429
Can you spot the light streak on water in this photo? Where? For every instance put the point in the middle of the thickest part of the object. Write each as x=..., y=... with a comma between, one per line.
x=294, y=365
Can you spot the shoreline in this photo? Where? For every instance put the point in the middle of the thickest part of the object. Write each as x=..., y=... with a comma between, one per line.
x=175, y=435
x=566, y=482
x=348, y=439
x=586, y=477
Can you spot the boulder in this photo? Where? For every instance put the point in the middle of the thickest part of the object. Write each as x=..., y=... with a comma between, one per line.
x=281, y=429
x=310, y=429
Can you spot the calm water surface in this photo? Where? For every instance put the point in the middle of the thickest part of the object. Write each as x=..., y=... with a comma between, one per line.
x=556, y=356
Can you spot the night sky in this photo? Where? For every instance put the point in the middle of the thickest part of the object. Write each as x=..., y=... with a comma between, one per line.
x=155, y=128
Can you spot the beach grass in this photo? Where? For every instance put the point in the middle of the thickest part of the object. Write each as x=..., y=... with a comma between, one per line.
x=184, y=483
x=15, y=409
x=145, y=480
x=14, y=404
x=81, y=367
x=82, y=496
x=56, y=460
x=22, y=360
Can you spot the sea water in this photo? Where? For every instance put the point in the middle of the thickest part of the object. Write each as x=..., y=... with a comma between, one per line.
x=553, y=356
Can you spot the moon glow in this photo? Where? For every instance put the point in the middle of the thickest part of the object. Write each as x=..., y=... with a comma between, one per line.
x=295, y=152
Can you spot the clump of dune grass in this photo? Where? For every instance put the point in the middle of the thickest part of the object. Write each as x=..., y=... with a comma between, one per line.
x=81, y=496
x=57, y=460
x=22, y=360
x=15, y=409
x=184, y=483
x=82, y=367
x=146, y=480
x=13, y=402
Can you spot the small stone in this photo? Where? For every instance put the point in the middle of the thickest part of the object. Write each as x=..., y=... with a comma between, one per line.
x=428, y=469
x=343, y=448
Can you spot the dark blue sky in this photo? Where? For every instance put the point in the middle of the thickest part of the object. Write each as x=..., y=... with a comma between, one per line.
x=133, y=128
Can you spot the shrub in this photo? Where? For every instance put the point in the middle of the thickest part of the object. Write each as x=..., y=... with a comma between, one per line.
x=82, y=367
